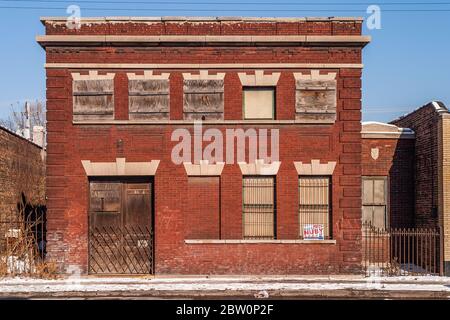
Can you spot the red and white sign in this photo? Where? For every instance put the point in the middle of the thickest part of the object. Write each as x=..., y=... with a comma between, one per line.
x=313, y=232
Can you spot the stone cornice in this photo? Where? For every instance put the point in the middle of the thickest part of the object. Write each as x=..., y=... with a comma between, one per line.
x=335, y=40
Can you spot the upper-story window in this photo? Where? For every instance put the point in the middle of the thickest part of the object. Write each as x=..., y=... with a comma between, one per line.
x=203, y=97
x=259, y=94
x=315, y=97
x=93, y=96
x=259, y=103
x=148, y=96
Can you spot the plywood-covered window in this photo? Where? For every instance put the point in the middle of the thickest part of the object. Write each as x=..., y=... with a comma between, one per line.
x=203, y=99
x=259, y=207
x=93, y=99
x=316, y=101
x=259, y=103
x=148, y=99
x=375, y=201
x=314, y=204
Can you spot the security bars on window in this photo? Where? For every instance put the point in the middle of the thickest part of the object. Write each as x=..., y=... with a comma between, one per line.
x=314, y=204
x=259, y=208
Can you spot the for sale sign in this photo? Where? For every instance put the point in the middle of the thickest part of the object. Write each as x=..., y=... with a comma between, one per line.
x=313, y=232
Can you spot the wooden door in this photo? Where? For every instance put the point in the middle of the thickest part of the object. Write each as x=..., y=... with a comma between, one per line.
x=120, y=227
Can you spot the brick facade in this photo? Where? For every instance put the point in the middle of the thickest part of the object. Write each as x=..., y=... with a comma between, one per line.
x=175, y=210
x=395, y=160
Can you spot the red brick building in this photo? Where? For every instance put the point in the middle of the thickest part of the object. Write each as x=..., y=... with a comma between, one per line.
x=388, y=182
x=118, y=88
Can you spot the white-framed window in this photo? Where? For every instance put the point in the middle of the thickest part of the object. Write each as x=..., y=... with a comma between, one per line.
x=374, y=201
x=259, y=103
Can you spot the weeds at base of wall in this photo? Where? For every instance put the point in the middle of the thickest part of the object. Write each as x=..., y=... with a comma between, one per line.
x=22, y=244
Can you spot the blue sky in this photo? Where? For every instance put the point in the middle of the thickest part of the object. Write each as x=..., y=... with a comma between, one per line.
x=406, y=65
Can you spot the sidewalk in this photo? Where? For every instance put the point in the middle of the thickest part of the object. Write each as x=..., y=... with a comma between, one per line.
x=246, y=287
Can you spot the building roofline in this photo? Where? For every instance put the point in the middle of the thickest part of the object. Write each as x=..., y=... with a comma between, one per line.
x=20, y=137
x=197, y=19
x=439, y=107
x=381, y=130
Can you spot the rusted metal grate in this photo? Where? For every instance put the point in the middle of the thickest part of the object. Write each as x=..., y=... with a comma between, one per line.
x=128, y=250
x=259, y=207
x=401, y=251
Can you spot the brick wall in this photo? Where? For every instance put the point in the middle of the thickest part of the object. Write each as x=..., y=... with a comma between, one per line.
x=341, y=142
x=201, y=219
x=22, y=170
x=395, y=161
x=425, y=123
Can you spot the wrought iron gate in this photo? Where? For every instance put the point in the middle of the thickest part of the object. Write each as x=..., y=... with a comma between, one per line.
x=120, y=231
x=401, y=251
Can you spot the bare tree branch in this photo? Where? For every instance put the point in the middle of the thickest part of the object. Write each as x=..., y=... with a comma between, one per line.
x=17, y=116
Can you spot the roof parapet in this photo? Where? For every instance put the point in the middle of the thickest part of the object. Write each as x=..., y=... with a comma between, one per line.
x=380, y=130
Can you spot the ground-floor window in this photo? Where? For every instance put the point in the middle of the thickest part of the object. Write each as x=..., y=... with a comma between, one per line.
x=314, y=207
x=374, y=201
x=202, y=220
x=259, y=207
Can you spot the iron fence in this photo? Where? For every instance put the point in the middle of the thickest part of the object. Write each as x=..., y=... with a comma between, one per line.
x=401, y=251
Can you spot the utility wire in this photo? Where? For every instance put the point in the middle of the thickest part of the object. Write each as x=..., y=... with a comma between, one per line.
x=221, y=10
x=236, y=3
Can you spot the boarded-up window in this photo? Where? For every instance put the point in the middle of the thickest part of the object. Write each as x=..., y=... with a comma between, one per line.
x=202, y=219
x=375, y=201
x=259, y=102
x=259, y=207
x=316, y=101
x=148, y=99
x=93, y=99
x=314, y=204
x=105, y=204
x=203, y=99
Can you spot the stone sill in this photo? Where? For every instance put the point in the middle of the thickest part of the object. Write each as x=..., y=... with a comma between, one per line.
x=232, y=241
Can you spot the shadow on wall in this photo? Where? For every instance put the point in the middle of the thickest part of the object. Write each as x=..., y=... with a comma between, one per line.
x=402, y=185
